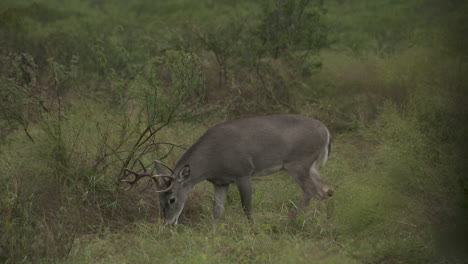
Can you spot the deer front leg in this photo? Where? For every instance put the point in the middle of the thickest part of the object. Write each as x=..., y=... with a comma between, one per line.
x=245, y=189
x=220, y=194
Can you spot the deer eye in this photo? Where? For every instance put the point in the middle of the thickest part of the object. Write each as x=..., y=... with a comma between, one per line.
x=172, y=200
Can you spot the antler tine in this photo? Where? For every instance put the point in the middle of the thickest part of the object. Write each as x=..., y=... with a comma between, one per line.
x=165, y=166
x=171, y=185
x=138, y=176
x=146, y=173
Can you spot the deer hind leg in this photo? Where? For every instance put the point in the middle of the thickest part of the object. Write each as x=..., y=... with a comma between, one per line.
x=301, y=175
x=307, y=187
x=310, y=182
x=220, y=194
x=321, y=188
x=245, y=190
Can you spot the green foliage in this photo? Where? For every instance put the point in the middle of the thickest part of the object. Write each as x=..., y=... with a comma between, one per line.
x=289, y=26
x=178, y=93
x=383, y=27
x=18, y=85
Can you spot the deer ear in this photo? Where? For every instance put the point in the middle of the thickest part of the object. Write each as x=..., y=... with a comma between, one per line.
x=184, y=173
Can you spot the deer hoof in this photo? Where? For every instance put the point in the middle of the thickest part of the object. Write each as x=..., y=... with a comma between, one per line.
x=329, y=191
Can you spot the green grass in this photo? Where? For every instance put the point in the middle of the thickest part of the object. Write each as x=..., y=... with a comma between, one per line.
x=374, y=217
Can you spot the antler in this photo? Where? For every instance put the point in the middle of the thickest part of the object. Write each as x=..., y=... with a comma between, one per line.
x=145, y=173
x=164, y=165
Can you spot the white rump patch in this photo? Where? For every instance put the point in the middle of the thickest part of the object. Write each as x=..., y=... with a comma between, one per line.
x=324, y=155
x=313, y=168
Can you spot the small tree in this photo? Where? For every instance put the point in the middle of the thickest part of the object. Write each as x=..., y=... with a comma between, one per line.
x=172, y=91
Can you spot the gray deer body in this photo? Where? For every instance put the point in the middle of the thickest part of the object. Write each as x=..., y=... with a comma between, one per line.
x=235, y=151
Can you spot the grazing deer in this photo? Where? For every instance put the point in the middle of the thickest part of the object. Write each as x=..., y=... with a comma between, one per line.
x=235, y=151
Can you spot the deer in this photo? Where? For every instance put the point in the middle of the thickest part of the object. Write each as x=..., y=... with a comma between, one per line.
x=234, y=152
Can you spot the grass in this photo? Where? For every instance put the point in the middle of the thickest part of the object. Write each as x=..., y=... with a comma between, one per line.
x=197, y=239
x=372, y=218
x=388, y=200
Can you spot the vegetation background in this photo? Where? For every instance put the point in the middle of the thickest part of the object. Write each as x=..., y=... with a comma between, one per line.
x=87, y=87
